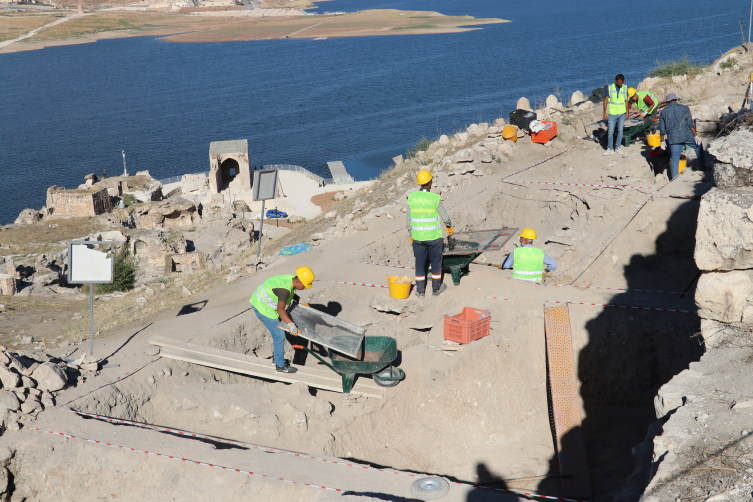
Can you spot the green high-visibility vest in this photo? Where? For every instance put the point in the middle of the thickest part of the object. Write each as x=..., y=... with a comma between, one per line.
x=641, y=105
x=265, y=301
x=424, y=217
x=617, y=99
x=528, y=264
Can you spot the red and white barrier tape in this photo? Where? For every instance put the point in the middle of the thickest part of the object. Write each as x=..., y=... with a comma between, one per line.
x=273, y=450
x=498, y=298
x=357, y=283
x=625, y=307
x=468, y=198
x=608, y=194
x=581, y=185
x=377, y=240
x=205, y=464
x=382, y=265
x=121, y=377
x=542, y=161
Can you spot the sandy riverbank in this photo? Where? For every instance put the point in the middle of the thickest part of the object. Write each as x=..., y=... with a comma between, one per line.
x=199, y=28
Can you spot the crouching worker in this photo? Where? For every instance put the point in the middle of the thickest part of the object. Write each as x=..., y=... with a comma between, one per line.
x=527, y=262
x=270, y=302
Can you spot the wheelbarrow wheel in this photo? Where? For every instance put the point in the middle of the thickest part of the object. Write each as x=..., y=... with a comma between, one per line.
x=429, y=488
x=388, y=377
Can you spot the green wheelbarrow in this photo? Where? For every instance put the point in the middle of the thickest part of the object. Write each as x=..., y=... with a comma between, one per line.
x=464, y=247
x=374, y=359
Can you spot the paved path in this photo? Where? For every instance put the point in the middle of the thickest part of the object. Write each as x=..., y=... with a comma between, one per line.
x=33, y=32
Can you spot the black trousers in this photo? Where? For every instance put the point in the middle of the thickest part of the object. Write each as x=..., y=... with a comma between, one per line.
x=428, y=251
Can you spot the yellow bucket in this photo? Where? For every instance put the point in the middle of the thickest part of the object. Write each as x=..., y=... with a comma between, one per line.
x=399, y=286
x=654, y=140
x=683, y=163
x=510, y=133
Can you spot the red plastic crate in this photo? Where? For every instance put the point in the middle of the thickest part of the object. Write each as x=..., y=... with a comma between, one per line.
x=546, y=135
x=469, y=325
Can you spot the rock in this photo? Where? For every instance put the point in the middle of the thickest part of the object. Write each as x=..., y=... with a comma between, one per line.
x=6, y=454
x=340, y=196
x=151, y=350
x=296, y=219
x=141, y=302
x=49, y=377
x=9, y=401
x=552, y=101
x=330, y=214
x=524, y=104
x=28, y=217
x=734, y=159
x=444, y=140
x=486, y=159
x=398, y=160
x=167, y=372
x=478, y=173
x=186, y=291
x=468, y=168
x=680, y=79
x=576, y=98
x=28, y=382
x=9, y=378
x=232, y=277
x=25, y=340
x=31, y=406
x=724, y=237
x=648, y=83
x=723, y=296
x=317, y=236
x=148, y=292
x=4, y=481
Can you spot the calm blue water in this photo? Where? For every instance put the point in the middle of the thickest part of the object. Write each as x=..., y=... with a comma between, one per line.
x=69, y=111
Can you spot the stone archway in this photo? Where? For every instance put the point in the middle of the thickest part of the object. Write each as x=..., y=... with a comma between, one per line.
x=228, y=171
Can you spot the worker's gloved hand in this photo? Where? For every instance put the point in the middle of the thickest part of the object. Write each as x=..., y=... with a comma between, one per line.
x=292, y=328
x=304, y=304
x=411, y=240
x=450, y=231
x=698, y=140
x=663, y=145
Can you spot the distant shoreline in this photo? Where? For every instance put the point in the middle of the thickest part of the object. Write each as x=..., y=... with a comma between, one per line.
x=232, y=26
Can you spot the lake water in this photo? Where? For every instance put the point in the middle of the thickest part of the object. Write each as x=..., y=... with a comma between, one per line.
x=69, y=111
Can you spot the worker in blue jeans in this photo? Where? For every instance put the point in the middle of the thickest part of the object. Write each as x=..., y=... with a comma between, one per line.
x=615, y=112
x=677, y=126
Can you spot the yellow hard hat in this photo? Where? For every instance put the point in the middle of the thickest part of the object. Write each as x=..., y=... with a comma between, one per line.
x=528, y=234
x=424, y=176
x=306, y=276
x=631, y=92
x=751, y=77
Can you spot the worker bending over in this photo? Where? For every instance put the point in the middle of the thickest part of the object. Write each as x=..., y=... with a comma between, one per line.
x=270, y=301
x=615, y=112
x=644, y=104
x=527, y=262
x=426, y=233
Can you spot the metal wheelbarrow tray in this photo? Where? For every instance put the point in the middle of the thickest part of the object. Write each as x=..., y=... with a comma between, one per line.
x=464, y=247
x=631, y=129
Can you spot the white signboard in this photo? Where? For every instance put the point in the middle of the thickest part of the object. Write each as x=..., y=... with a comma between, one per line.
x=86, y=265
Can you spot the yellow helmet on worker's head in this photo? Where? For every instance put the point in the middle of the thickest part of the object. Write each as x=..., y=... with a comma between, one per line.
x=306, y=276
x=631, y=92
x=424, y=176
x=528, y=233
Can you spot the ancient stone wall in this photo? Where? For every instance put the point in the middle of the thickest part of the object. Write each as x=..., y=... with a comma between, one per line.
x=185, y=263
x=76, y=203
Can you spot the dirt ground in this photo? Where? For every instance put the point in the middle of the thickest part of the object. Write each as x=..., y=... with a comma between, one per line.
x=325, y=200
x=197, y=28
x=622, y=237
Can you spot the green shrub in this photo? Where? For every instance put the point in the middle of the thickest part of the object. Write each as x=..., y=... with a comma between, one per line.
x=677, y=67
x=728, y=64
x=128, y=199
x=423, y=144
x=124, y=273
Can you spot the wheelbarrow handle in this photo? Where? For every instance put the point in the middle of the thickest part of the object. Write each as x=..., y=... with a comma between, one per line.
x=301, y=347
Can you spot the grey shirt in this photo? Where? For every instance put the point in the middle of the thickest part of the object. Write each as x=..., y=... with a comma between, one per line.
x=440, y=209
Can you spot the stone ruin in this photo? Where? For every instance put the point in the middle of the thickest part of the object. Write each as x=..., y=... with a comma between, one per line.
x=229, y=166
x=185, y=263
x=724, y=240
x=77, y=203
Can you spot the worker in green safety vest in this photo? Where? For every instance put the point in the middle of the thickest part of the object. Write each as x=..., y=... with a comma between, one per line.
x=644, y=104
x=527, y=262
x=615, y=112
x=422, y=221
x=270, y=302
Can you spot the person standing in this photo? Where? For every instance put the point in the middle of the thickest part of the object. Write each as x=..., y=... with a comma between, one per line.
x=422, y=220
x=270, y=302
x=527, y=262
x=677, y=126
x=615, y=112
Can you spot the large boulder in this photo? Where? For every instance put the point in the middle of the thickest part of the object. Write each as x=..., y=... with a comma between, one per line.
x=175, y=212
x=153, y=246
x=9, y=378
x=734, y=159
x=49, y=377
x=724, y=237
x=524, y=104
x=9, y=401
x=726, y=296
x=28, y=217
x=7, y=284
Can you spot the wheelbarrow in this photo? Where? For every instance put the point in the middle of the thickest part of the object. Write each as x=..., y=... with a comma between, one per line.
x=464, y=247
x=375, y=359
x=632, y=128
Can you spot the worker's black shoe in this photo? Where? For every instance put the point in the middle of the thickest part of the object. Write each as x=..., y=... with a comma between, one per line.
x=420, y=295
x=439, y=291
x=287, y=368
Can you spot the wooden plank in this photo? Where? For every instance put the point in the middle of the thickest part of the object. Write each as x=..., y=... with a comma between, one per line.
x=571, y=445
x=253, y=366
